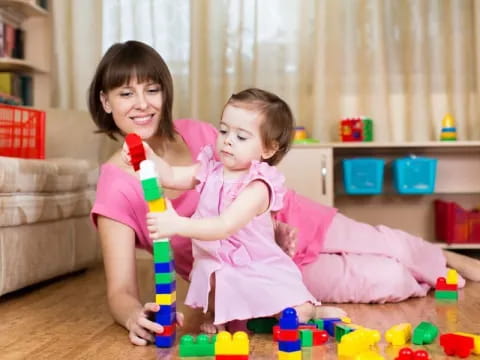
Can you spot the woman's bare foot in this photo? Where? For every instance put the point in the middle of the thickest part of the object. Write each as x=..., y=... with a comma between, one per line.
x=466, y=266
x=208, y=327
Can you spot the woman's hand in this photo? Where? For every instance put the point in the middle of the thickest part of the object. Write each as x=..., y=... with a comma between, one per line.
x=285, y=237
x=142, y=330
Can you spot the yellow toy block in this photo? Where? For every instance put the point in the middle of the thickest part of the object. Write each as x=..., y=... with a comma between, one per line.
x=476, y=341
x=369, y=355
x=238, y=344
x=358, y=341
x=157, y=205
x=452, y=277
x=295, y=355
x=166, y=299
x=399, y=334
x=346, y=320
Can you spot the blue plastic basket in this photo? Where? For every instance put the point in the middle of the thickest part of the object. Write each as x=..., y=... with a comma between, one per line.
x=363, y=176
x=414, y=175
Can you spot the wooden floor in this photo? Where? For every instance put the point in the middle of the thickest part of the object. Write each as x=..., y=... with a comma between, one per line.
x=68, y=319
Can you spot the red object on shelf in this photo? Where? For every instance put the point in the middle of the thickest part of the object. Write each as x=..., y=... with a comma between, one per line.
x=22, y=132
x=455, y=225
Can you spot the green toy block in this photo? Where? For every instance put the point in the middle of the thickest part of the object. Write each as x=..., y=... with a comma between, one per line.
x=262, y=325
x=367, y=130
x=203, y=345
x=340, y=330
x=162, y=252
x=318, y=323
x=306, y=337
x=165, y=278
x=446, y=294
x=424, y=333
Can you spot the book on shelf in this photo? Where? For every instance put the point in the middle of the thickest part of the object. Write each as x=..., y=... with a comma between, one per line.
x=18, y=86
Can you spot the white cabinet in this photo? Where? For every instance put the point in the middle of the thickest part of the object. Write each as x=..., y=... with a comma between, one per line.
x=309, y=171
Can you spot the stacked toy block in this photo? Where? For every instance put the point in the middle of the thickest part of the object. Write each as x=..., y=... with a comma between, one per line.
x=289, y=345
x=356, y=129
x=425, y=333
x=446, y=288
x=165, y=288
x=449, y=130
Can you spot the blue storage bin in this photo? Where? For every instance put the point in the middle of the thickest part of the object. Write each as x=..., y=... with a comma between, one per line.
x=363, y=176
x=414, y=175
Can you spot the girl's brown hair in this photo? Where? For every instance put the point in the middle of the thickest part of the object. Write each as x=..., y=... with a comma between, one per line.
x=121, y=62
x=277, y=128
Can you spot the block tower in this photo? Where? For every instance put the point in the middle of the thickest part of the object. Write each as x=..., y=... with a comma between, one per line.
x=447, y=288
x=449, y=131
x=289, y=344
x=165, y=287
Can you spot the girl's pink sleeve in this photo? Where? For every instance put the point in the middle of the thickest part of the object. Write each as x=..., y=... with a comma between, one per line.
x=206, y=160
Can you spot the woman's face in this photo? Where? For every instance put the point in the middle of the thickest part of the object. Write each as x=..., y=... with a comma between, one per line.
x=135, y=107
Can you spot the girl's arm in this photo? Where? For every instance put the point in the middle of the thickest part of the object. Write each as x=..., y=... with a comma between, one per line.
x=118, y=250
x=252, y=201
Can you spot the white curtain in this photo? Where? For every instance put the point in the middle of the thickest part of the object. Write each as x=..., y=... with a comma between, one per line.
x=405, y=64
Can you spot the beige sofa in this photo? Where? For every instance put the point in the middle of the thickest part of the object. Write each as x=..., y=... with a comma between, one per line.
x=45, y=230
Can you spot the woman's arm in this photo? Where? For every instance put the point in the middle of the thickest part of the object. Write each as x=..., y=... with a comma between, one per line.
x=118, y=249
x=252, y=201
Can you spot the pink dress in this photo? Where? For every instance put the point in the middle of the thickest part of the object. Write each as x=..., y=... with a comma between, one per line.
x=253, y=276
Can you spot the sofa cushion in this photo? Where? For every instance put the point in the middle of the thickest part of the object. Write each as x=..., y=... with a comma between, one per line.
x=52, y=175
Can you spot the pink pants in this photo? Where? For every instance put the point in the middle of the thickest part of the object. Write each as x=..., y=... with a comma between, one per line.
x=362, y=263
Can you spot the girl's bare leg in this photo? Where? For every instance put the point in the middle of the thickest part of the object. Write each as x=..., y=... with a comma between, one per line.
x=207, y=326
x=466, y=266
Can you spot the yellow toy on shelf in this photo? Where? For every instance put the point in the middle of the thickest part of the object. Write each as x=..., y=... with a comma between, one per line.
x=449, y=131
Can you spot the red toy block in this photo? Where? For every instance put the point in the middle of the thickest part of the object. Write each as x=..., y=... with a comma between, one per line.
x=231, y=357
x=168, y=330
x=288, y=335
x=442, y=285
x=408, y=354
x=320, y=337
x=459, y=345
x=136, y=150
x=307, y=327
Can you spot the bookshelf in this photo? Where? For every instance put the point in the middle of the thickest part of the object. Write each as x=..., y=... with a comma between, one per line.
x=26, y=72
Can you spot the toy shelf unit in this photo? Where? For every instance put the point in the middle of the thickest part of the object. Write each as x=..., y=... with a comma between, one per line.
x=316, y=171
x=25, y=53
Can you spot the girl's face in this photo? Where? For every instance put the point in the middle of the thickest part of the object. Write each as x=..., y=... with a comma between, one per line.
x=239, y=140
x=135, y=107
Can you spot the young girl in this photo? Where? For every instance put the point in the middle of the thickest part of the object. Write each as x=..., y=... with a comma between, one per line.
x=232, y=228
x=132, y=91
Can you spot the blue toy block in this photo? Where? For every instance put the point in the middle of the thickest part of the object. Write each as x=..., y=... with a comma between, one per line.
x=166, y=315
x=289, y=319
x=164, y=267
x=165, y=288
x=289, y=346
x=165, y=341
x=329, y=325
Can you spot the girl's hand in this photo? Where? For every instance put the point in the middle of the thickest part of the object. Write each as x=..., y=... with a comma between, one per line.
x=285, y=237
x=142, y=330
x=164, y=224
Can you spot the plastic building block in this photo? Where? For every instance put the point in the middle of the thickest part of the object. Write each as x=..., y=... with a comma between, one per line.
x=136, y=150
x=455, y=344
x=262, y=325
x=441, y=284
x=399, y=334
x=164, y=341
x=452, y=277
x=226, y=344
x=318, y=323
x=202, y=345
x=320, y=337
x=306, y=337
x=476, y=341
x=358, y=341
x=290, y=346
x=329, y=325
x=446, y=295
x=409, y=354
x=165, y=278
x=296, y=355
x=231, y=357
x=342, y=329
x=289, y=319
x=166, y=299
x=369, y=355
x=288, y=335
x=424, y=333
